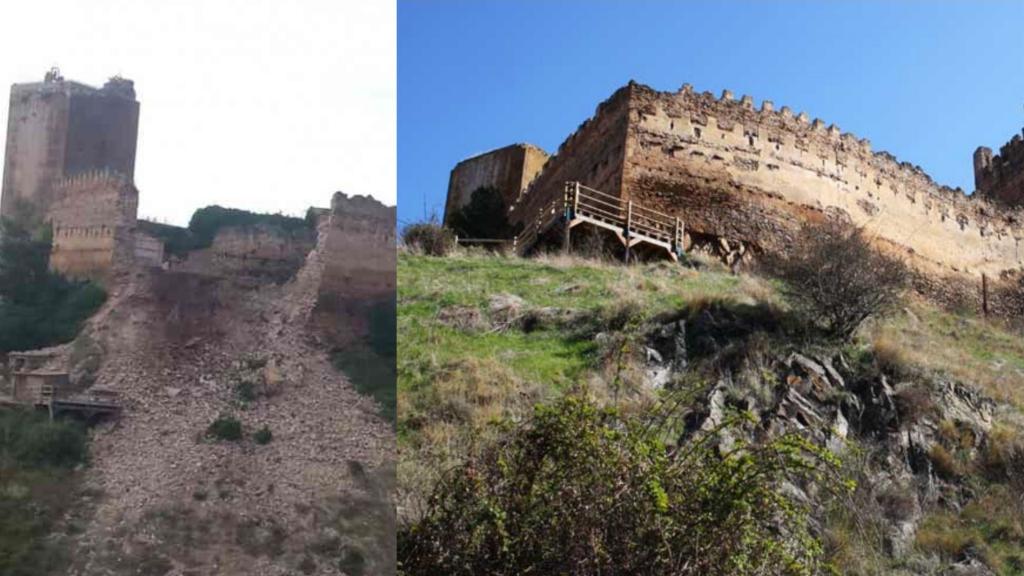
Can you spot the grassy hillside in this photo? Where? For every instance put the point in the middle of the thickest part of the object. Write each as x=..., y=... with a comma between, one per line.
x=482, y=339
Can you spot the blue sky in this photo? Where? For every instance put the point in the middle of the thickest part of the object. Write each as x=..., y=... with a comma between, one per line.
x=926, y=81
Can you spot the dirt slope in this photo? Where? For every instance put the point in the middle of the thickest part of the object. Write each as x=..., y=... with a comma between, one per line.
x=182, y=350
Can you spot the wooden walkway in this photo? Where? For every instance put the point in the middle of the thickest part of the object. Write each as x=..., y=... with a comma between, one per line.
x=86, y=406
x=630, y=222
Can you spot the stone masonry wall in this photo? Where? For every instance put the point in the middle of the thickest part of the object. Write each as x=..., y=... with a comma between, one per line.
x=509, y=170
x=250, y=254
x=93, y=219
x=593, y=155
x=733, y=171
x=1001, y=178
x=60, y=128
x=33, y=160
x=360, y=255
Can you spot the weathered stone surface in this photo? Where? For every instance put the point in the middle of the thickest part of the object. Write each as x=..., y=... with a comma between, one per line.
x=1001, y=178
x=508, y=170
x=59, y=128
x=745, y=177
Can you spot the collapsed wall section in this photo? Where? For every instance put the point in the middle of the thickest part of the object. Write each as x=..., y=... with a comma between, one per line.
x=357, y=254
x=508, y=170
x=252, y=255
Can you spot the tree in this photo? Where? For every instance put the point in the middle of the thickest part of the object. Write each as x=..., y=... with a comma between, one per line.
x=837, y=279
x=37, y=307
x=485, y=216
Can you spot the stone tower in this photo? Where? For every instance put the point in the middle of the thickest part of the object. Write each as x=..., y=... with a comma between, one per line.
x=58, y=129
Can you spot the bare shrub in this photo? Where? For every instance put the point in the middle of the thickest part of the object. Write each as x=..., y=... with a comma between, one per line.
x=429, y=237
x=837, y=279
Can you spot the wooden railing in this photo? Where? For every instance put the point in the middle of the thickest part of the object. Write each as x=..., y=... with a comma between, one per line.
x=632, y=223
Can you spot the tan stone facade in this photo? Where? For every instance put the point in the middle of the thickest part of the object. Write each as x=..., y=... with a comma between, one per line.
x=751, y=174
x=93, y=221
x=509, y=170
x=360, y=254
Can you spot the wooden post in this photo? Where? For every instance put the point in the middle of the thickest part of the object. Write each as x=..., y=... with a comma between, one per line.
x=629, y=220
x=984, y=295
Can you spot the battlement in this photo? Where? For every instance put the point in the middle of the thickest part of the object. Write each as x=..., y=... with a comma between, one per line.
x=751, y=172
x=90, y=181
x=115, y=86
x=768, y=122
x=1001, y=178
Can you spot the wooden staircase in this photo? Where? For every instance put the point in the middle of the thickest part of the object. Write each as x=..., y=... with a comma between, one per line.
x=630, y=222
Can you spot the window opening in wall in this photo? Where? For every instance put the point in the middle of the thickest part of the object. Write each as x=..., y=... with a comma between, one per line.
x=750, y=139
x=696, y=131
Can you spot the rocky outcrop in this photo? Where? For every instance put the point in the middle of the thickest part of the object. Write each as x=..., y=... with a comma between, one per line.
x=906, y=420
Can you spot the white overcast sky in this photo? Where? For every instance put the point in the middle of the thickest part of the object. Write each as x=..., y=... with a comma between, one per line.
x=258, y=104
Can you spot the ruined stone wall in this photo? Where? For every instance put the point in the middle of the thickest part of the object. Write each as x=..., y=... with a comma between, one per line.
x=93, y=220
x=60, y=128
x=733, y=171
x=357, y=254
x=1001, y=178
x=592, y=155
x=250, y=254
x=148, y=249
x=508, y=170
x=360, y=255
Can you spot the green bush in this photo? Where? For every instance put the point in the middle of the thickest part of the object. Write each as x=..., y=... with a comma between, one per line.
x=30, y=439
x=263, y=436
x=429, y=238
x=225, y=428
x=837, y=278
x=246, y=391
x=585, y=490
x=484, y=216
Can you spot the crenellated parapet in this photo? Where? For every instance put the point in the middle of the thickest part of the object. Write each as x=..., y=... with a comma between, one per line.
x=93, y=217
x=751, y=172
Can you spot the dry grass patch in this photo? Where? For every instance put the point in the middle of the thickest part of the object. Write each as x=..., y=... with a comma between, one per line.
x=968, y=348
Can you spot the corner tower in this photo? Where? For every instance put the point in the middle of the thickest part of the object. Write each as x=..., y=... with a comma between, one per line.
x=58, y=128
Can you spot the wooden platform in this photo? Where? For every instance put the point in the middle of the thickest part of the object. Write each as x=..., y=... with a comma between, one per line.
x=631, y=223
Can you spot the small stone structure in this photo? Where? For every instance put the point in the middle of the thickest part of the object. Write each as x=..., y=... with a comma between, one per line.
x=508, y=170
x=38, y=385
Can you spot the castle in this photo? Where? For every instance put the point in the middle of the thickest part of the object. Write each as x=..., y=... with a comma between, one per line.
x=70, y=161
x=743, y=178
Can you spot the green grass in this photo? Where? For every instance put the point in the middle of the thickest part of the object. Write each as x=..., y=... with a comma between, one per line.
x=984, y=352
x=37, y=486
x=454, y=383
x=427, y=285
x=990, y=527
